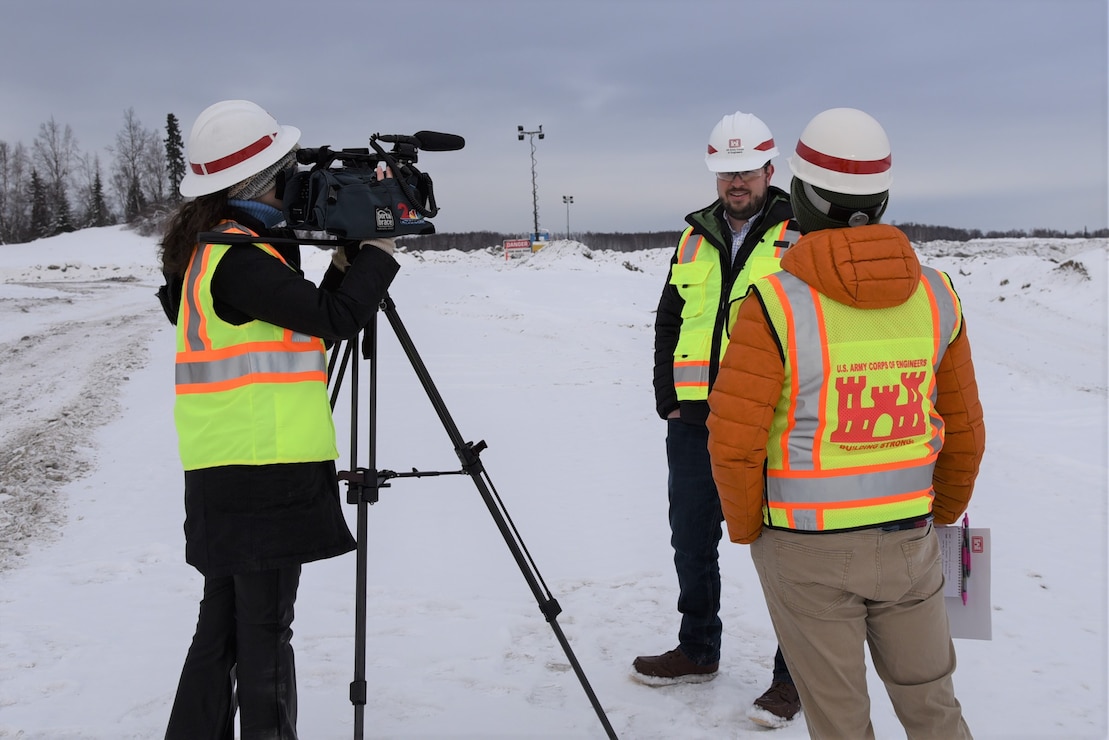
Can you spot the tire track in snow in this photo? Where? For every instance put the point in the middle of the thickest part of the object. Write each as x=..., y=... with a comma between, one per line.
x=56, y=387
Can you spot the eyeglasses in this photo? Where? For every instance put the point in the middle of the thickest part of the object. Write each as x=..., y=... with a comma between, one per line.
x=746, y=175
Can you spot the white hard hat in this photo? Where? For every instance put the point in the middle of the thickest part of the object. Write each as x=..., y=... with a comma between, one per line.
x=740, y=142
x=845, y=151
x=231, y=141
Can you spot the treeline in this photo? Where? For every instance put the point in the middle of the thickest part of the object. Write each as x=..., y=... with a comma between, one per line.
x=472, y=241
x=926, y=233
x=476, y=240
x=52, y=187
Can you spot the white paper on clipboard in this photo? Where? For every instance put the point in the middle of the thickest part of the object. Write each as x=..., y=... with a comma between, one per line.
x=973, y=620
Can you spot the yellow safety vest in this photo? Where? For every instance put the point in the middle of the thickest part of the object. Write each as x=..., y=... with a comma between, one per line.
x=249, y=394
x=697, y=275
x=855, y=433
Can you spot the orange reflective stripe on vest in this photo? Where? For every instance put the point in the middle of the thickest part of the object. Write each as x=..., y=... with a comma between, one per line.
x=258, y=362
x=201, y=368
x=688, y=246
x=787, y=236
x=706, y=323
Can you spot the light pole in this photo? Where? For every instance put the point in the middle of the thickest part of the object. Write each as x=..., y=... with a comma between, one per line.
x=567, y=199
x=520, y=133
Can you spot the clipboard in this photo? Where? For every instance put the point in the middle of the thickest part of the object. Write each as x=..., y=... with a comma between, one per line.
x=966, y=580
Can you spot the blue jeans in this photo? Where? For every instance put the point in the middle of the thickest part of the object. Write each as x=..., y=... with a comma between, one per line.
x=695, y=531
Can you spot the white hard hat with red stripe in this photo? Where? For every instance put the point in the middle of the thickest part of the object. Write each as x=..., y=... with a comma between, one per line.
x=844, y=150
x=740, y=142
x=231, y=141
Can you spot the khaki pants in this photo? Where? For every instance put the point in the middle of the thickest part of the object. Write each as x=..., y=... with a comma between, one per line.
x=828, y=593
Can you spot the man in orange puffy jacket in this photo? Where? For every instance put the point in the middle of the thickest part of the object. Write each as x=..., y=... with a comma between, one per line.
x=844, y=423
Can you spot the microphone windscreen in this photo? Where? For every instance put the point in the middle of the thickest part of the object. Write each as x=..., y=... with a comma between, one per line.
x=433, y=141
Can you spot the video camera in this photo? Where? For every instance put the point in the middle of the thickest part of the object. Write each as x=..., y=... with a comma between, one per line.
x=349, y=201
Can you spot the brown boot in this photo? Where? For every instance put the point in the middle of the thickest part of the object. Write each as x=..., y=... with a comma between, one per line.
x=670, y=668
x=777, y=707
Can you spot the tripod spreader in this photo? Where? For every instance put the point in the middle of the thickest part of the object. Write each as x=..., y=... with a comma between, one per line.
x=469, y=455
x=359, y=490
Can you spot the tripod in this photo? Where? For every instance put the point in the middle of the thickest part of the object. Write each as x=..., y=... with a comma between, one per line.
x=364, y=483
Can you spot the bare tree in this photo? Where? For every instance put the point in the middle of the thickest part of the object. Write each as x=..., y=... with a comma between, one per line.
x=154, y=169
x=138, y=170
x=55, y=151
x=15, y=211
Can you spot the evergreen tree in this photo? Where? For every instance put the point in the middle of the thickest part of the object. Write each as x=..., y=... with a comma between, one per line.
x=40, y=209
x=175, y=157
x=61, y=217
x=94, y=210
x=98, y=214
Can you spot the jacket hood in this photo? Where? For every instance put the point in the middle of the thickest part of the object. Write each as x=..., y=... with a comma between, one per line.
x=864, y=267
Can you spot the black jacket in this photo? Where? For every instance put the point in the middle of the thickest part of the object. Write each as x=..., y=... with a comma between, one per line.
x=710, y=223
x=244, y=518
x=250, y=284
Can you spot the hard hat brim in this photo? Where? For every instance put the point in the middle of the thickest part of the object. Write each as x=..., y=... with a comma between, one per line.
x=733, y=163
x=194, y=184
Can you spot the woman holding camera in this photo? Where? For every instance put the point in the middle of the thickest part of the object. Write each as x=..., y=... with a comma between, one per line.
x=253, y=419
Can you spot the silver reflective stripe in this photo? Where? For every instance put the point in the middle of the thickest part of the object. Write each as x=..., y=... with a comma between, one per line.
x=790, y=236
x=949, y=316
x=192, y=326
x=687, y=374
x=838, y=489
x=689, y=249
x=809, y=369
x=231, y=368
x=192, y=337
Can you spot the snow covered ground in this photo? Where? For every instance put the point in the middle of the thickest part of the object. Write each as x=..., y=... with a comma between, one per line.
x=549, y=361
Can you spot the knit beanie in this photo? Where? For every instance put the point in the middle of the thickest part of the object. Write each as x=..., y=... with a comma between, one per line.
x=255, y=186
x=816, y=208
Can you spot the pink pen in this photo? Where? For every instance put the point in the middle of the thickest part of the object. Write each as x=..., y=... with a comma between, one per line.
x=966, y=556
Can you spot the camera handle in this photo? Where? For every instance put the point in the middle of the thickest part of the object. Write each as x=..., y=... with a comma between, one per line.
x=406, y=171
x=364, y=484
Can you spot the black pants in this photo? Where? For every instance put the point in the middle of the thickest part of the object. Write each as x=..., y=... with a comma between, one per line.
x=241, y=654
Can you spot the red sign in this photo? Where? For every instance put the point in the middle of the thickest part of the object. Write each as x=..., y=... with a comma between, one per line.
x=516, y=248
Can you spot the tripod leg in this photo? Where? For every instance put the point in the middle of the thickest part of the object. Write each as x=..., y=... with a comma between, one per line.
x=468, y=454
x=356, y=495
x=358, y=685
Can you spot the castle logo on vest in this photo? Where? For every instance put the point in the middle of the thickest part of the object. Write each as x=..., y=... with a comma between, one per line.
x=889, y=415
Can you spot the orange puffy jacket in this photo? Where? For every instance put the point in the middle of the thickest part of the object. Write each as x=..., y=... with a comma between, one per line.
x=866, y=267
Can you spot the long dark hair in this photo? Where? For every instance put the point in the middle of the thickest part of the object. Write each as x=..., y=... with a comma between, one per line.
x=200, y=214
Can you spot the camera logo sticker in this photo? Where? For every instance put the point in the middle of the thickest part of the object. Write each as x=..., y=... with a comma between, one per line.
x=408, y=216
x=385, y=220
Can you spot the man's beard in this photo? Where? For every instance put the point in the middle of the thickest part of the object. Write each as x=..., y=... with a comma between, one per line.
x=754, y=205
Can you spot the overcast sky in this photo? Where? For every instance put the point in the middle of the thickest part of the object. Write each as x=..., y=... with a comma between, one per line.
x=996, y=109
